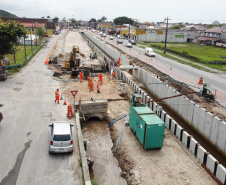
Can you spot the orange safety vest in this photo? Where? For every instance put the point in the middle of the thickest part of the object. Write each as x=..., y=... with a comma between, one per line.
x=81, y=74
x=89, y=78
x=113, y=74
x=57, y=93
x=3, y=64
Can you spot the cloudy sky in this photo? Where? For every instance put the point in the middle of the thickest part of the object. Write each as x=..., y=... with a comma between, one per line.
x=193, y=11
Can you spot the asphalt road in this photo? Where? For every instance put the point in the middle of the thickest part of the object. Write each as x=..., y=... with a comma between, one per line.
x=176, y=70
x=28, y=108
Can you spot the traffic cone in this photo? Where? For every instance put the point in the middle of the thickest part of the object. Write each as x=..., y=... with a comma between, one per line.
x=171, y=68
x=61, y=98
x=65, y=103
x=139, y=53
x=201, y=81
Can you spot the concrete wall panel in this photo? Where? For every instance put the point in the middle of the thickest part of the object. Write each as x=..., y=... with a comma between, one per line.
x=221, y=135
x=195, y=119
x=167, y=121
x=178, y=132
x=173, y=123
x=221, y=173
x=210, y=164
x=207, y=124
x=214, y=130
x=193, y=144
x=191, y=106
x=185, y=138
x=201, y=121
x=200, y=154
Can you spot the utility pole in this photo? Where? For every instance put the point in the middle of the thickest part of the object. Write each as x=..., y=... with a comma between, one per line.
x=166, y=34
x=25, y=48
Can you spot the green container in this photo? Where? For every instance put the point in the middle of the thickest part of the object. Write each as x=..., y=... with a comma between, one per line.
x=147, y=126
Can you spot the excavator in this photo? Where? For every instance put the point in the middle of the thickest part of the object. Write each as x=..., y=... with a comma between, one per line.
x=74, y=61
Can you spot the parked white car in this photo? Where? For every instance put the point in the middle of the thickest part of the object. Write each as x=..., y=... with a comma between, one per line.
x=149, y=52
x=129, y=45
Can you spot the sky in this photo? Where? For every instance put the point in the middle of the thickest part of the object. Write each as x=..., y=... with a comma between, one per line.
x=192, y=11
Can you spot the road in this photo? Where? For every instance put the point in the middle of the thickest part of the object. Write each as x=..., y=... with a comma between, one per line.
x=28, y=108
x=176, y=70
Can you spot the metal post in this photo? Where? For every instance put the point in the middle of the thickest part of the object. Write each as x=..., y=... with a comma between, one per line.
x=74, y=105
x=166, y=34
x=36, y=34
x=25, y=49
x=31, y=38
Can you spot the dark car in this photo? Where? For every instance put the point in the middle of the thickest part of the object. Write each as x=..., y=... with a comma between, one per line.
x=1, y=117
x=132, y=41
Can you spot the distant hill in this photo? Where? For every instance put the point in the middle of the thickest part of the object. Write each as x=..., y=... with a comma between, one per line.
x=4, y=13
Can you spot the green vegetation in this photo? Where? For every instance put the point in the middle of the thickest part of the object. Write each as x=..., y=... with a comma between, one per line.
x=4, y=13
x=80, y=162
x=123, y=20
x=93, y=182
x=204, y=54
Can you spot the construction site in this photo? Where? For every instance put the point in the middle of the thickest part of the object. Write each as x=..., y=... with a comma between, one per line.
x=130, y=134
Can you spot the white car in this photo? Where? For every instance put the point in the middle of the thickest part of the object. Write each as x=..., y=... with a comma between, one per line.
x=111, y=38
x=149, y=52
x=104, y=35
x=100, y=33
x=61, y=139
x=129, y=45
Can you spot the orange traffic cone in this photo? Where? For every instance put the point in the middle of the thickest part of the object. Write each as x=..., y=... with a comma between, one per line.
x=61, y=98
x=65, y=103
x=201, y=81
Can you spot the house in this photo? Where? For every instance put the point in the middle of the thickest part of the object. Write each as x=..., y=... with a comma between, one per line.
x=158, y=35
x=213, y=36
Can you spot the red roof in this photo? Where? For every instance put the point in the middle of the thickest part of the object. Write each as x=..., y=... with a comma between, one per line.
x=216, y=30
x=208, y=38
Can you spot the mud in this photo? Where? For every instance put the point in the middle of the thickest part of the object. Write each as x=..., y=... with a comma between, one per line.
x=105, y=169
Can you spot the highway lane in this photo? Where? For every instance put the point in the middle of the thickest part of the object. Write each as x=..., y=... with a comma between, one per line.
x=176, y=70
x=28, y=109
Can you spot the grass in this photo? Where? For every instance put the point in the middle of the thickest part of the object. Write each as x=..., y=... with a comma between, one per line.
x=20, y=57
x=93, y=182
x=80, y=162
x=205, y=54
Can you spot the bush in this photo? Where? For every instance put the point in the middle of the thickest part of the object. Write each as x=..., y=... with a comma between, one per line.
x=185, y=52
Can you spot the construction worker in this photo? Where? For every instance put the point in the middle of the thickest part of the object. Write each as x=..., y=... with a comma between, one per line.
x=81, y=76
x=91, y=85
x=113, y=74
x=101, y=78
x=89, y=78
x=57, y=96
x=98, y=86
x=119, y=61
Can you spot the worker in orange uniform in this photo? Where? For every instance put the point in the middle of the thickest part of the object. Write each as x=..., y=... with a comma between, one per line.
x=81, y=76
x=113, y=74
x=98, y=86
x=101, y=78
x=119, y=61
x=91, y=85
x=57, y=96
x=89, y=78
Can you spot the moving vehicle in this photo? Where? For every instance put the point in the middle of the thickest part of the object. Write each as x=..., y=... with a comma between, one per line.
x=129, y=45
x=111, y=38
x=132, y=41
x=1, y=116
x=100, y=33
x=149, y=52
x=61, y=139
x=104, y=35
x=121, y=37
x=119, y=41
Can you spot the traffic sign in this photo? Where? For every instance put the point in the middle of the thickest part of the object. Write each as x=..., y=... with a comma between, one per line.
x=74, y=93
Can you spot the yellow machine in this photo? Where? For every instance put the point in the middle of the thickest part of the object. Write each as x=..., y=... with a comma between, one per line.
x=73, y=61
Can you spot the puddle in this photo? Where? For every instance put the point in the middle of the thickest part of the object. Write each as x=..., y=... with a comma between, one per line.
x=105, y=170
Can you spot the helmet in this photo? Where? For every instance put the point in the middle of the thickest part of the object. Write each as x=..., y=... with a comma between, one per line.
x=57, y=89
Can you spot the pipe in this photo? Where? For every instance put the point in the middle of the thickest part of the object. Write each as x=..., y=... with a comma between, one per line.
x=116, y=120
x=170, y=97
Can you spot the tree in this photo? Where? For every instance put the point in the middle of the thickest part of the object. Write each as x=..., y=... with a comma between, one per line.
x=176, y=27
x=10, y=31
x=48, y=16
x=103, y=18
x=40, y=32
x=43, y=17
x=123, y=20
x=92, y=20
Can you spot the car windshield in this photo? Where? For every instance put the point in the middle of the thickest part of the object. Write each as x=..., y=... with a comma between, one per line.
x=65, y=137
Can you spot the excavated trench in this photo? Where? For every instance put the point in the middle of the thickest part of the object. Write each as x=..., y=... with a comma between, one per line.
x=105, y=169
